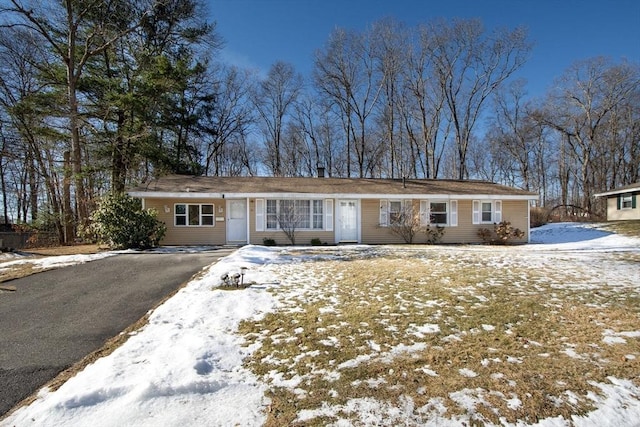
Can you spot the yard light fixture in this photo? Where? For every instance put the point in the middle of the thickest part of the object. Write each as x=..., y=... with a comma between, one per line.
x=242, y=271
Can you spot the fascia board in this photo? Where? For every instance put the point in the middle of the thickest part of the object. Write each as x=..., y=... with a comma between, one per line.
x=174, y=195
x=615, y=192
x=192, y=195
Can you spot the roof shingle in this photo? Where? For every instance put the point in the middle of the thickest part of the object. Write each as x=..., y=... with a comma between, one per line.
x=355, y=186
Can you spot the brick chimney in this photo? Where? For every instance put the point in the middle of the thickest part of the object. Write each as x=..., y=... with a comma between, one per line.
x=320, y=172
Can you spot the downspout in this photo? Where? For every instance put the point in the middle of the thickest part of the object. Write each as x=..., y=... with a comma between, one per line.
x=248, y=221
x=529, y=221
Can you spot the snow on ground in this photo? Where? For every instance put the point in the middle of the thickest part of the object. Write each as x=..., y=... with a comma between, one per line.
x=185, y=367
x=580, y=236
x=12, y=259
x=51, y=261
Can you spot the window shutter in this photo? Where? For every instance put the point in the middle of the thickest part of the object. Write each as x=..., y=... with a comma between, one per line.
x=497, y=211
x=424, y=213
x=328, y=214
x=407, y=208
x=384, y=213
x=619, y=201
x=259, y=214
x=453, y=217
x=476, y=211
x=633, y=201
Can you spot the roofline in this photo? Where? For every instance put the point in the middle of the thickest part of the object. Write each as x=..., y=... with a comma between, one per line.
x=620, y=191
x=198, y=195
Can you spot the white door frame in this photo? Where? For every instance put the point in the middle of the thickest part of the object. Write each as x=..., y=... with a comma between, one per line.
x=246, y=221
x=338, y=221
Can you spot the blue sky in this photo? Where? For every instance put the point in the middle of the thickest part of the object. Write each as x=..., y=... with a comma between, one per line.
x=259, y=32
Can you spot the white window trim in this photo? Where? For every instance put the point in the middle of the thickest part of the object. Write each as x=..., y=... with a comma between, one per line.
x=261, y=214
x=628, y=197
x=452, y=212
x=453, y=216
x=200, y=215
x=385, y=209
x=496, y=211
x=328, y=215
x=383, y=219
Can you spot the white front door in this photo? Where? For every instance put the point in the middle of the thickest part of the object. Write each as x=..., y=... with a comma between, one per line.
x=237, y=221
x=348, y=221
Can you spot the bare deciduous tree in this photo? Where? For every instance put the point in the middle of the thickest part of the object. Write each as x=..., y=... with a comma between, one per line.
x=273, y=99
x=345, y=73
x=469, y=66
x=229, y=118
x=587, y=109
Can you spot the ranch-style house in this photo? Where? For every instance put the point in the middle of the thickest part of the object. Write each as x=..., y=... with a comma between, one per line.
x=204, y=210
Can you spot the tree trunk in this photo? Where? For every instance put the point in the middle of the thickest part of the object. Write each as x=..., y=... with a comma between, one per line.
x=33, y=186
x=67, y=213
x=118, y=156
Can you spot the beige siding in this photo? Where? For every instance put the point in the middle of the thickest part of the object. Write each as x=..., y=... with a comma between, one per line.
x=303, y=237
x=516, y=212
x=371, y=232
x=615, y=214
x=205, y=235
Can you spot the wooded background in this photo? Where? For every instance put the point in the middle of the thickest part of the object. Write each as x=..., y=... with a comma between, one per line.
x=96, y=96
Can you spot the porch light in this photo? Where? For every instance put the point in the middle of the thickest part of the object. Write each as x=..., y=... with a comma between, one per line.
x=167, y=209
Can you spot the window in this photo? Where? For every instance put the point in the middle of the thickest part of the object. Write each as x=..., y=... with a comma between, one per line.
x=626, y=201
x=194, y=215
x=318, y=215
x=303, y=214
x=392, y=212
x=443, y=213
x=487, y=211
x=272, y=214
x=438, y=213
x=395, y=212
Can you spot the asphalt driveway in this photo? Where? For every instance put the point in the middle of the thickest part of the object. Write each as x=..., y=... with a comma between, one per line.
x=57, y=317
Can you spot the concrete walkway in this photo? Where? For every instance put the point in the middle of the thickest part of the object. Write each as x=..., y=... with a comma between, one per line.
x=57, y=317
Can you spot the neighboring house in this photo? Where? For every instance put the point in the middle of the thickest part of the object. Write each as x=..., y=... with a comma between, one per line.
x=622, y=203
x=239, y=210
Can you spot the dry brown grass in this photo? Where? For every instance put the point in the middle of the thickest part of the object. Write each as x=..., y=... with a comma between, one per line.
x=17, y=272
x=26, y=269
x=629, y=228
x=503, y=336
x=66, y=250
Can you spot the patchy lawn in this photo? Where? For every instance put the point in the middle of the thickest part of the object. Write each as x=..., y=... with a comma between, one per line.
x=629, y=228
x=413, y=335
x=66, y=250
x=16, y=265
x=546, y=335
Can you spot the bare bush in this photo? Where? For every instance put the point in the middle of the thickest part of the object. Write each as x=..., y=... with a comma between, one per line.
x=503, y=233
x=406, y=224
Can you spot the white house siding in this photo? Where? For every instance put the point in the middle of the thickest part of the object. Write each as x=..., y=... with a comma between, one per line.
x=615, y=214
